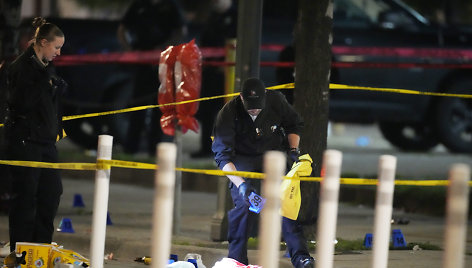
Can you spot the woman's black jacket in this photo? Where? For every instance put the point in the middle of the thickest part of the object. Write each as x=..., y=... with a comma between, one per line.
x=34, y=93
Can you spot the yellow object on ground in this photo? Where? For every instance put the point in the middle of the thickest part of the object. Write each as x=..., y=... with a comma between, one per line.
x=48, y=255
x=290, y=190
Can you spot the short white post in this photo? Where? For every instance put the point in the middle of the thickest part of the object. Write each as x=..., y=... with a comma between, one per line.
x=163, y=204
x=328, y=211
x=100, y=203
x=456, y=216
x=270, y=224
x=383, y=210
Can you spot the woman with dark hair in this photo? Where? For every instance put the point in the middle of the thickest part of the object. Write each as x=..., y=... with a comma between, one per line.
x=32, y=127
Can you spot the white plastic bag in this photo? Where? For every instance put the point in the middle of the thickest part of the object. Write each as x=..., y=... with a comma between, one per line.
x=180, y=264
x=197, y=257
x=232, y=263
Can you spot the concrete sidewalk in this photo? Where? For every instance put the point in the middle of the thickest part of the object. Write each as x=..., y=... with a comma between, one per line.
x=130, y=209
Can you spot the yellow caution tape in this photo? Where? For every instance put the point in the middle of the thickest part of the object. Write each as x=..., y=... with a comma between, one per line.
x=401, y=91
x=73, y=166
x=389, y=90
x=215, y=172
x=107, y=164
x=362, y=181
x=258, y=175
x=283, y=86
x=139, y=108
x=424, y=182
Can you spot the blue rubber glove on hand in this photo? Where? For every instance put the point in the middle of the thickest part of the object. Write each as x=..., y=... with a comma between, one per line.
x=245, y=189
x=292, y=157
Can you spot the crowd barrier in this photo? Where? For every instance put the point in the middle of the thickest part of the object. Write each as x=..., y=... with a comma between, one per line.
x=152, y=56
x=456, y=214
x=430, y=65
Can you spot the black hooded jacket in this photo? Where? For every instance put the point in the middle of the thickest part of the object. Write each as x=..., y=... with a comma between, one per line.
x=237, y=138
x=34, y=93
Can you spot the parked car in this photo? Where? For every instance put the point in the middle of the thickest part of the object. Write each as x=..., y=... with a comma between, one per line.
x=409, y=122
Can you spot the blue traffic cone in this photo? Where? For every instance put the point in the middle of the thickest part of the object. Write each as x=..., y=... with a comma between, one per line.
x=109, y=222
x=368, y=241
x=78, y=201
x=398, y=239
x=174, y=257
x=65, y=226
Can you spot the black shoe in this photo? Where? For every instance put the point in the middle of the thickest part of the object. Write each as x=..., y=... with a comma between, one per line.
x=307, y=263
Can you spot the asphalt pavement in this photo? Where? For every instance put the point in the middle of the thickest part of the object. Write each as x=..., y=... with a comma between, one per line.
x=130, y=210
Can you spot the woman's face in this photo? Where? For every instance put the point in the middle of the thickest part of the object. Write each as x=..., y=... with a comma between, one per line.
x=51, y=49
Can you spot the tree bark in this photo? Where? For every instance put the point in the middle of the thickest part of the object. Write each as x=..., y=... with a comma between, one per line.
x=311, y=96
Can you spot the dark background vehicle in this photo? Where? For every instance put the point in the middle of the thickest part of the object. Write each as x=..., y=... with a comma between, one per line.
x=409, y=122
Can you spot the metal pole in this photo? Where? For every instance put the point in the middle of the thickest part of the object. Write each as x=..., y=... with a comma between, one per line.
x=178, y=183
x=247, y=65
x=163, y=204
x=383, y=210
x=219, y=222
x=53, y=10
x=100, y=203
x=270, y=224
x=248, y=40
x=456, y=216
x=230, y=52
x=326, y=232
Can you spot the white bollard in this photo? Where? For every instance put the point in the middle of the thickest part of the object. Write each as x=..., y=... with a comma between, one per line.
x=383, y=210
x=456, y=216
x=100, y=203
x=328, y=211
x=270, y=224
x=163, y=204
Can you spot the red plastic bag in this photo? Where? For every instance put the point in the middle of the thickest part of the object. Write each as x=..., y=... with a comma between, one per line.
x=188, y=79
x=167, y=89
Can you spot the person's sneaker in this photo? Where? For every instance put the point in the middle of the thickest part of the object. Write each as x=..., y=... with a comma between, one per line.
x=307, y=263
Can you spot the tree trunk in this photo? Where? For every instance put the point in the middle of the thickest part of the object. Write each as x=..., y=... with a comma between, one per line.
x=311, y=96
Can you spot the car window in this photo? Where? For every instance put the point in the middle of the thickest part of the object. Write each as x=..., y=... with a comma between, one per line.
x=367, y=13
x=348, y=13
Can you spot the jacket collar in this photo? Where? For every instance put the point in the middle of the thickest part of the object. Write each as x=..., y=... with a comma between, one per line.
x=32, y=55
